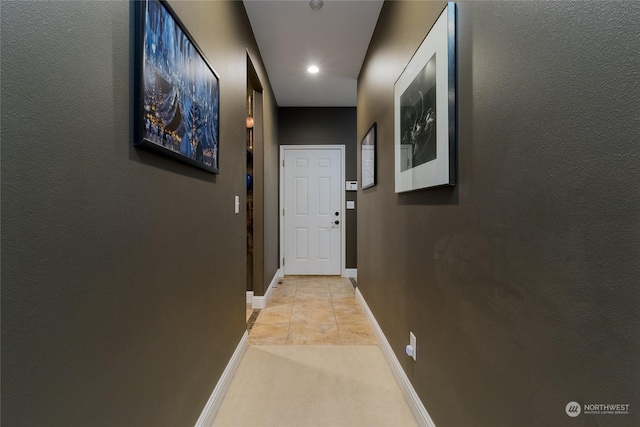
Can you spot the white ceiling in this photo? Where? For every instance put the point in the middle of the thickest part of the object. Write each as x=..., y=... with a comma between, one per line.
x=291, y=37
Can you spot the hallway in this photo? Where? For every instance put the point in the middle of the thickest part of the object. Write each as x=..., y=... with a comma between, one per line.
x=313, y=360
x=124, y=270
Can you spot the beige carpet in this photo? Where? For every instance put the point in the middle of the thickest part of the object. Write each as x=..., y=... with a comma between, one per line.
x=320, y=386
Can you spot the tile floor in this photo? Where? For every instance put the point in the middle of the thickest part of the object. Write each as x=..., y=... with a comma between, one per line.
x=311, y=310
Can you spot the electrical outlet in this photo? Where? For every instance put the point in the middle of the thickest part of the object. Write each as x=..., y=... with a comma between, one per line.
x=412, y=343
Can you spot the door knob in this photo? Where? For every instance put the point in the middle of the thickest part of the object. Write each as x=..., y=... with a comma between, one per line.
x=337, y=222
x=337, y=213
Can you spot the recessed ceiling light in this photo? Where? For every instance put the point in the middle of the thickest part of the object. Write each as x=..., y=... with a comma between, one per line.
x=313, y=69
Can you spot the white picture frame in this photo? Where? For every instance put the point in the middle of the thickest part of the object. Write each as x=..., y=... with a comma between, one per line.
x=425, y=111
x=368, y=158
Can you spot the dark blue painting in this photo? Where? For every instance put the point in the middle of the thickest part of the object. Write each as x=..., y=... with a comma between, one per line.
x=180, y=91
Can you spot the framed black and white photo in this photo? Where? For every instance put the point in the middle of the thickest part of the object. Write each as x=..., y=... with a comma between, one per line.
x=425, y=111
x=368, y=158
x=178, y=91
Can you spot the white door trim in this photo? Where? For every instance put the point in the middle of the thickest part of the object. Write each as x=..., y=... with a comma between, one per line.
x=341, y=148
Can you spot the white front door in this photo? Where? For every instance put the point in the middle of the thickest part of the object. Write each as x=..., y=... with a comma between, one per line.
x=312, y=211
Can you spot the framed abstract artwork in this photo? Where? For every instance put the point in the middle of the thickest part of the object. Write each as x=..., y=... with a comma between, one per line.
x=177, y=91
x=368, y=158
x=425, y=111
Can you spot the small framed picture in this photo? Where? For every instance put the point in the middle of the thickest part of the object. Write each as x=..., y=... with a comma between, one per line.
x=368, y=158
x=425, y=111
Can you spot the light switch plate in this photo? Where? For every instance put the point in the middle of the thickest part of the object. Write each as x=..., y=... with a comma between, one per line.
x=351, y=204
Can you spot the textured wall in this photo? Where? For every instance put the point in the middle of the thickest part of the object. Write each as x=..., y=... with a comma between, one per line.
x=271, y=207
x=123, y=271
x=521, y=283
x=327, y=126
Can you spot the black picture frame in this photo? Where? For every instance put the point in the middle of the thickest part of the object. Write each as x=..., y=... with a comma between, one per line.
x=177, y=102
x=425, y=147
x=368, y=158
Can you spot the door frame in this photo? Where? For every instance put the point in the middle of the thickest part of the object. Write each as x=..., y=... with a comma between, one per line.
x=343, y=234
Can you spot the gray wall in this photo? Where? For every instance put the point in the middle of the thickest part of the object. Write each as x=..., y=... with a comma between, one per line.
x=521, y=283
x=123, y=280
x=327, y=126
x=271, y=189
x=266, y=238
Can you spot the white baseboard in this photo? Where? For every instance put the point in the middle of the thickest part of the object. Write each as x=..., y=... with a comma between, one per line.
x=249, y=297
x=210, y=410
x=419, y=411
x=351, y=272
x=260, y=302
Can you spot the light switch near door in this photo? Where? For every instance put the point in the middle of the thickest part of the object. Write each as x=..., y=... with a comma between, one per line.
x=351, y=204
